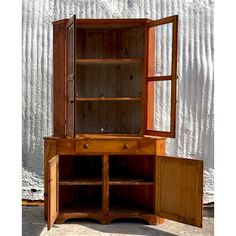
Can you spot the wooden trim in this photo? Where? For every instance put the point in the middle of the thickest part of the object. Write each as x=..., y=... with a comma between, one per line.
x=27, y=202
x=109, y=61
x=93, y=136
x=87, y=181
x=105, y=186
x=105, y=22
x=58, y=22
x=145, y=74
x=174, y=74
x=162, y=21
x=160, y=133
x=159, y=78
x=75, y=69
x=109, y=99
x=129, y=182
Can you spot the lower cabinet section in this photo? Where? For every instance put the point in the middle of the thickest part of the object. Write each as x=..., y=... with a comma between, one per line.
x=108, y=187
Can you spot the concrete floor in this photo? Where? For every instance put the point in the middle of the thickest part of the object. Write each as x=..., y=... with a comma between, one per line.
x=33, y=224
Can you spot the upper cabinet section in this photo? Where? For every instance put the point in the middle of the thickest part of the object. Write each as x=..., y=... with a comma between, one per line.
x=115, y=70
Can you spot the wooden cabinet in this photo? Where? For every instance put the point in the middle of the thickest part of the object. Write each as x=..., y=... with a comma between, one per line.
x=106, y=158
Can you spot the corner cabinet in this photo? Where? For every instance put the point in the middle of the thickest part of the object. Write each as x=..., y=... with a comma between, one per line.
x=114, y=106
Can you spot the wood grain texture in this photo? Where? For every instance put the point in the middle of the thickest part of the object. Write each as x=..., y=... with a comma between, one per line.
x=53, y=196
x=59, y=78
x=49, y=152
x=180, y=182
x=105, y=187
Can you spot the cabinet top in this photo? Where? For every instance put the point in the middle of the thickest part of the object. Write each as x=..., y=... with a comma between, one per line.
x=103, y=22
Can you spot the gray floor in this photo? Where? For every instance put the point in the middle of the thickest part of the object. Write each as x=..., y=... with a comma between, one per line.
x=34, y=225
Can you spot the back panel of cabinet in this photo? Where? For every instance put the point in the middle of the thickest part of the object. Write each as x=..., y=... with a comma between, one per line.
x=110, y=43
x=109, y=81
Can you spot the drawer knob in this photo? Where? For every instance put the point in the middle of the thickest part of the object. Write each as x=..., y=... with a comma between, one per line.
x=126, y=146
x=86, y=146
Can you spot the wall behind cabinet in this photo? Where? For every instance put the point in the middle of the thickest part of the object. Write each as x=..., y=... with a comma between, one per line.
x=195, y=114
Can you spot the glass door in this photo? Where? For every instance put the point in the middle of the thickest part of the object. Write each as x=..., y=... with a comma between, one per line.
x=70, y=75
x=161, y=77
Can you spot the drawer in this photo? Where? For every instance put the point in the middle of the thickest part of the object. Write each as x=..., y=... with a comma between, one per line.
x=65, y=147
x=106, y=146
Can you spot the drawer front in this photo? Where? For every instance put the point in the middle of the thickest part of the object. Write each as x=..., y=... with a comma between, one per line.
x=65, y=147
x=106, y=146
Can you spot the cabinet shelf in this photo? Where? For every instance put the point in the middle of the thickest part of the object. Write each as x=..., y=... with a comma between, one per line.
x=110, y=99
x=123, y=210
x=81, y=181
x=111, y=61
x=129, y=181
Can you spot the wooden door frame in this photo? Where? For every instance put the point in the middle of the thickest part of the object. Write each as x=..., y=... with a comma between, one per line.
x=71, y=21
x=150, y=57
x=51, y=215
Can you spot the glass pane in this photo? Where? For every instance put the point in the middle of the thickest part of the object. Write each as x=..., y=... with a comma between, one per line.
x=162, y=59
x=70, y=51
x=159, y=105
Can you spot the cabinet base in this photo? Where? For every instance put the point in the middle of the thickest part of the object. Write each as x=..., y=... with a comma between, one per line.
x=107, y=219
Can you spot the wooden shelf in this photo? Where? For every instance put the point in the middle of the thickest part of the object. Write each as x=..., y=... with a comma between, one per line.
x=111, y=61
x=129, y=181
x=81, y=208
x=129, y=210
x=110, y=99
x=81, y=181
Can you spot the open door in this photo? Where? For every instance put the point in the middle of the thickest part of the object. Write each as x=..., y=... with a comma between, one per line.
x=161, y=77
x=53, y=207
x=179, y=189
x=70, y=75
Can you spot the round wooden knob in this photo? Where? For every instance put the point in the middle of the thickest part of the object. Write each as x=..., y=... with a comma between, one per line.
x=86, y=146
x=126, y=146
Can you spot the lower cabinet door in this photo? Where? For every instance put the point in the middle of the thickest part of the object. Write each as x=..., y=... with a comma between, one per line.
x=53, y=173
x=179, y=189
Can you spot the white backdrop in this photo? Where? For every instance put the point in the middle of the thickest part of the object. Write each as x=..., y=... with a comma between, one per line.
x=195, y=108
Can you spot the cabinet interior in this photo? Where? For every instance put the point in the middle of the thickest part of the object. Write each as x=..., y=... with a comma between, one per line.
x=80, y=198
x=116, y=42
x=136, y=168
x=124, y=198
x=81, y=183
x=80, y=168
x=109, y=81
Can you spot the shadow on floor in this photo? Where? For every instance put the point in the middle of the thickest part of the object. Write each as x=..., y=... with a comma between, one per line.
x=121, y=226
x=33, y=224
